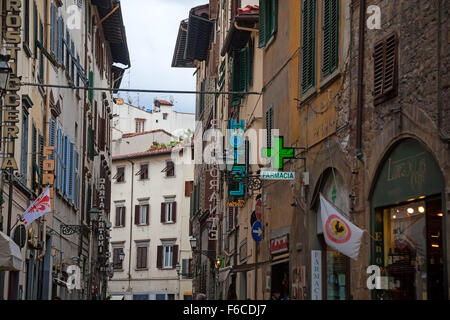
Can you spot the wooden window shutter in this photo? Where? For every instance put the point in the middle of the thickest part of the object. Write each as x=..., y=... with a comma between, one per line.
x=330, y=36
x=274, y=13
x=174, y=212
x=186, y=188
x=163, y=212
x=213, y=9
x=175, y=256
x=385, y=69
x=262, y=25
x=243, y=70
x=235, y=78
x=137, y=210
x=159, y=257
x=148, y=214
x=308, y=46
x=117, y=216
x=124, y=215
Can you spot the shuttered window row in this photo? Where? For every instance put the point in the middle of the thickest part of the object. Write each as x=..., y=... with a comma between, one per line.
x=268, y=15
x=66, y=165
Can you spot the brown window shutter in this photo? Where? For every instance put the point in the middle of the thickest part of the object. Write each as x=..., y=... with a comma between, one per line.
x=148, y=214
x=137, y=210
x=124, y=214
x=159, y=257
x=163, y=212
x=186, y=189
x=175, y=256
x=117, y=216
x=230, y=218
x=385, y=69
x=174, y=212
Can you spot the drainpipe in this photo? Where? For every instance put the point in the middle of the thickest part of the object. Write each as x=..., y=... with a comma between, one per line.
x=443, y=137
x=359, y=110
x=131, y=226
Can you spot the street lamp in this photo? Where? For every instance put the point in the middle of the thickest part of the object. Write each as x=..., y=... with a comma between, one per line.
x=5, y=71
x=193, y=242
x=121, y=256
x=94, y=214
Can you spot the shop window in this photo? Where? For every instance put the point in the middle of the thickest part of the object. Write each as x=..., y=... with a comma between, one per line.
x=412, y=250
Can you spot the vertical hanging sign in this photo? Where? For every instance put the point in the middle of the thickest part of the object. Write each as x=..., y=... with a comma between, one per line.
x=237, y=142
x=13, y=23
x=211, y=194
x=316, y=275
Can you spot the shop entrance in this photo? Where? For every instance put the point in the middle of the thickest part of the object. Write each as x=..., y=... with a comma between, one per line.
x=280, y=281
x=412, y=247
x=407, y=222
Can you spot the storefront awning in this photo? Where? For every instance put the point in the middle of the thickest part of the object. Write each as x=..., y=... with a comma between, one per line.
x=10, y=256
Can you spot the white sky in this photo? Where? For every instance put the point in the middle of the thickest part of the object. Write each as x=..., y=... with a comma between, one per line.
x=152, y=29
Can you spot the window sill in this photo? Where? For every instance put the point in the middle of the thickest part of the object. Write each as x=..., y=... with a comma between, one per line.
x=142, y=225
x=269, y=43
x=119, y=227
x=170, y=222
x=141, y=269
x=328, y=80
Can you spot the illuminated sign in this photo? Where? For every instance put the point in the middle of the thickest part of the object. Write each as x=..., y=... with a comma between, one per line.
x=237, y=142
x=276, y=175
x=13, y=22
x=236, y=204
x=278, y=153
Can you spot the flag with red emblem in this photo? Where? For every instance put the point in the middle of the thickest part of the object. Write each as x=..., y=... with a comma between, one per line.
x=38, y=208
x=338, y=231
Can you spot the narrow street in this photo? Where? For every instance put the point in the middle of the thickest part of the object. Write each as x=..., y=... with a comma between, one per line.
x=225, y=150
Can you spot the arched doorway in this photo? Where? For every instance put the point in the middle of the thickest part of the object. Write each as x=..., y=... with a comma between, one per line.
x=407, y=221
x=335, y=266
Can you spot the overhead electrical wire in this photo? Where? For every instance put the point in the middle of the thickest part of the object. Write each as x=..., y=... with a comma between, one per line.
x=134, y=90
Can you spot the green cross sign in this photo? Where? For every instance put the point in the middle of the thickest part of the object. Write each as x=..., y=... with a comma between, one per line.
x=278, y=153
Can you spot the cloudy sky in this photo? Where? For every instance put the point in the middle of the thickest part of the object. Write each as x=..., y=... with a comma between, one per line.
x=152, y=29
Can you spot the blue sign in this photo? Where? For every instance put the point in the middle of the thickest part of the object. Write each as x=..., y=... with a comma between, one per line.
x=257, y=232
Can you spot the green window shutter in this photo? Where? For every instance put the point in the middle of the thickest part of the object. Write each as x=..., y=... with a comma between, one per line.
x=330, y=36
x=242, y=72
x=91, y=85
x=274, y=13
x=88, y=204
x=262, y=23
x=91, y=151
x=308, y=46
x=235, y=98
x=35, y=28
x=250, y=52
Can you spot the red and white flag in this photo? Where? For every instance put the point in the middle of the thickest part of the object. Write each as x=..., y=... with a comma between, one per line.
x=38, y=208
x=339, y=233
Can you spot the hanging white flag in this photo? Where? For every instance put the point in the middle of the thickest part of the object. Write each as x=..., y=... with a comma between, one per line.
x=38, y=208
x=339, y=233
